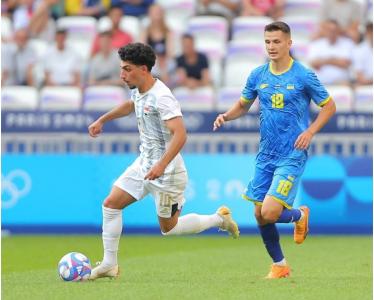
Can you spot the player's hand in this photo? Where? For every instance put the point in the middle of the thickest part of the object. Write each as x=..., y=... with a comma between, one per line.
x=303, y=140
x=220, y=120
x=95, y=128
x=155, y=172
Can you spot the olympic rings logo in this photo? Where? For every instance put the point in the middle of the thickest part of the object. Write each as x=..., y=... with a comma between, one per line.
x=14, y=186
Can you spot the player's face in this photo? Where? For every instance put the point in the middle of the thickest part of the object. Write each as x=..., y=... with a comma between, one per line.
x=132, y=75
x=277, y=44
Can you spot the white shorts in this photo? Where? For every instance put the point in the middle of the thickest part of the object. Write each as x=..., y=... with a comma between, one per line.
x=168, y=190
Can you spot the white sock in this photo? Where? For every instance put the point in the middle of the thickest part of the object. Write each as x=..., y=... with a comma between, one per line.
x=302, y=214
x=112, y=230
x=281, y=263
x=194, y=223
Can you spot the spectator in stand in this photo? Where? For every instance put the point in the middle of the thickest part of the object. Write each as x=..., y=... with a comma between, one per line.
x=35, y=16
x=192, y=66
x=119, y=38
x=136, y=8
x=62, y=64
x=269, y=8
x=104, y=65
x=347, y=13
x=18, y=60
x=331, y=56
x=8, y=7
x=225, y=8
x=363, y=59
x=158, y=35
x=94, y=8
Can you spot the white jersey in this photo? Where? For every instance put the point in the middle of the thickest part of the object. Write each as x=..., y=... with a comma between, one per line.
x=152, y=109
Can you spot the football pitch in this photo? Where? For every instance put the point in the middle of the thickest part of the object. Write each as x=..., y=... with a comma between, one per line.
x=199, y=267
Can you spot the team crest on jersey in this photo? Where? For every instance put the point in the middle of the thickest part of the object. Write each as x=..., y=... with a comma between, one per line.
x=264, y=85
x=290, y=87
x=146, y=109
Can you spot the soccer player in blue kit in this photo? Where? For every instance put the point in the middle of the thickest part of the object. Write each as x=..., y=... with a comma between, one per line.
x=284, y=88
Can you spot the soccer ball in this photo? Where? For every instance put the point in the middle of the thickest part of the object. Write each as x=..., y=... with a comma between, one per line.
x=74, y=266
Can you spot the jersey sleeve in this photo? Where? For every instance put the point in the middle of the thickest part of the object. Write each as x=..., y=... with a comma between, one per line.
x=249, y=92
x=168, y=107
x=315, y=90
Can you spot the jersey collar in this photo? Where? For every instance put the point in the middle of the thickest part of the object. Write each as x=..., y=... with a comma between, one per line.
x=275, y=73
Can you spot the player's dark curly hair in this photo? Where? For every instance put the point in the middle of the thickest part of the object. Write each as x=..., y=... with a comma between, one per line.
x=138, y=54
x=278, y=26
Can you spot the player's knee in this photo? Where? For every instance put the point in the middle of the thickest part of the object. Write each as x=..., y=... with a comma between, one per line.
x=258, y=216
x=110, y=202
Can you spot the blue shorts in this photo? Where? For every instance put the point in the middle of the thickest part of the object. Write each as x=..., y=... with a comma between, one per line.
x=276, y=176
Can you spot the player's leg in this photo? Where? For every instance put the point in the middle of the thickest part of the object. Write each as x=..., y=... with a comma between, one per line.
x=169, y=201
x=112, y=230
x=265, y=216
x=283, y=190
x=195, y=223
x=127, y=188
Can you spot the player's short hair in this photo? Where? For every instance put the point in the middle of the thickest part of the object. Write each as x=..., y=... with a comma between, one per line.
x=188, y=36
x=278, y=26
x=138, y=54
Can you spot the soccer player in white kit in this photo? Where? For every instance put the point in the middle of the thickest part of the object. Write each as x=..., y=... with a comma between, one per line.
x=159, y=169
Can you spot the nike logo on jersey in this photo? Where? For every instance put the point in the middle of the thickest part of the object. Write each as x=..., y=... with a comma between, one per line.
x=264, y=85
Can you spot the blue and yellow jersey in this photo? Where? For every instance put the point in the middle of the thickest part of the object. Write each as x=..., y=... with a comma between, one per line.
x=284, y=105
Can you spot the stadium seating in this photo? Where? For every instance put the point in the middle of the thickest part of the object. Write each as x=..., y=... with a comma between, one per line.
x=62, y=98
x=6, y=28
x=102, y=98
x=310, y=8
x=363, y=99
x=40, y=47
x=200, y=99
x=237, y=67
x=178, y=9
x=343, y=97
x=299, y=51
x=248, y=50
x=249, y=28
x=81, y=32
x=131, y=25
x=227, y=96
x=302, y=27
x=19, y=98
x=209, y=30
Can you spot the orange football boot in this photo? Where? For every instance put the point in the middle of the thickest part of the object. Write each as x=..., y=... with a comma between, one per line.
x=302, y=226
x=278, y=272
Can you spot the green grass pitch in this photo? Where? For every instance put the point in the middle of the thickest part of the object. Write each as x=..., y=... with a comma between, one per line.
x=199, y=267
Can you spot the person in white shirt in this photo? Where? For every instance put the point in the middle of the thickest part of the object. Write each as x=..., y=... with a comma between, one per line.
x=331, y=56
x=62, y=64
x=159, y=169
x=363, y=59
x=18, y=60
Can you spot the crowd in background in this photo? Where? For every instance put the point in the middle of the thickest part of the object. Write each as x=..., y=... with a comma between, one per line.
x=340, y=50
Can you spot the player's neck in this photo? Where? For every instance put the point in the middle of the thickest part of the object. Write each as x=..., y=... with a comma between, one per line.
x=282, y=65
x=147, y=85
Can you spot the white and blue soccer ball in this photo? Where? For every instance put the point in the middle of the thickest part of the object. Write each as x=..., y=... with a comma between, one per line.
x=74, y=266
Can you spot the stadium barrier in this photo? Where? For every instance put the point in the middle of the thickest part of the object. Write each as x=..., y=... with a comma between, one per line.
x=66, y=132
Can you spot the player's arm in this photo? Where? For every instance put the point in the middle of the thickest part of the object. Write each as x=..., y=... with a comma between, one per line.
x=119, y=111
x=327, y=111
x=239, y=109
x=178, y=139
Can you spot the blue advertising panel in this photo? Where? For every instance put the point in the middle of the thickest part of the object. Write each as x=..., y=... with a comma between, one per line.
x=61, y=191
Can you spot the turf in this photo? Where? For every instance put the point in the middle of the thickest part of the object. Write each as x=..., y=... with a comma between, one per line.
x=201, y=267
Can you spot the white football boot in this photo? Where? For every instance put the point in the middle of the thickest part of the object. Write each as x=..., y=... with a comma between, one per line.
x=228, y=223
x=101, y=271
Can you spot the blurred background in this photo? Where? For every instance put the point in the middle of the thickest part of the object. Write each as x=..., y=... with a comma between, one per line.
x=60, y=71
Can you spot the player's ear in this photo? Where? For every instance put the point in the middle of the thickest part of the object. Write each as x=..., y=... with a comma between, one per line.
x=289, y=43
